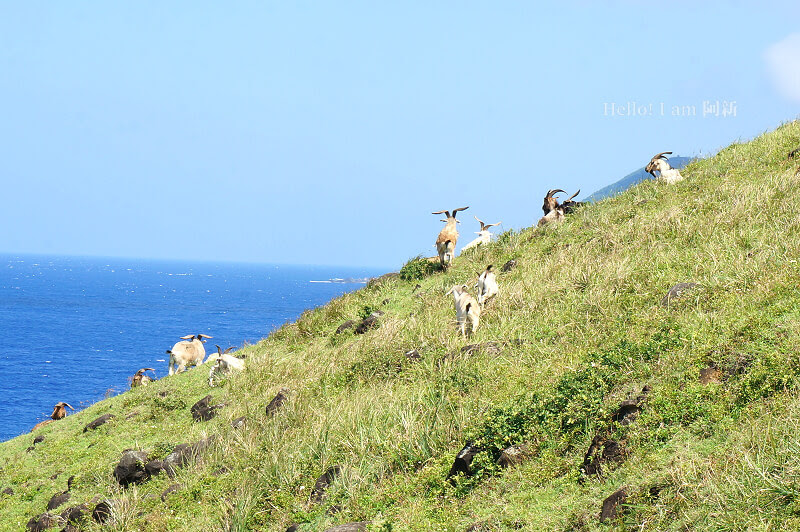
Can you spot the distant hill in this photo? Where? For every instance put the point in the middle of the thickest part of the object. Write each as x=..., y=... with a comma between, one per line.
x=632, y=179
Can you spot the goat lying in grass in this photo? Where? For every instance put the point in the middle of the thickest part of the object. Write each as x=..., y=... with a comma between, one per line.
x=484, y=236
x=223, y=364
x=660, y=164
x=466, y=308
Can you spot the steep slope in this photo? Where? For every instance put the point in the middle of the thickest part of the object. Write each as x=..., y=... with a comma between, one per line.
x=692, y=405
x=634, y=178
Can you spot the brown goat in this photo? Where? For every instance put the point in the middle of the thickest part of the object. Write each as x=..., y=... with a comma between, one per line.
x=446, y=241
x=140, y=379
x=59, y=412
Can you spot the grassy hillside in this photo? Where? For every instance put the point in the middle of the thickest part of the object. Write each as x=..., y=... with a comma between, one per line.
x=577, y=329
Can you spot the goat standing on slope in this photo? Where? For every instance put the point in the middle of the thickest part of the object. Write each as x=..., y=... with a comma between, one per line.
x=466, y=308
x=446, y=241
x=190, y=352
x=140, y=379
x=487, y=286
x=484, y=236
x=667, y=173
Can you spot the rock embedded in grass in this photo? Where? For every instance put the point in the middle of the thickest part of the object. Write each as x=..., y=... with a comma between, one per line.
x=171, y=489
x=514, y=455
x=323, y=483
x=99, y=421
x=42, y=522
x=203, y=411
x=239, y=423
x=349, y=324
x=508, y=266
x=463, y=460
x=277, y=402
x=370, y=322
x=130, y=469
x=102, y=512
x=611, y=505
x=676, y=292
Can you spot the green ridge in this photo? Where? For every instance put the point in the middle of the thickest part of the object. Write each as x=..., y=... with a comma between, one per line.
x=578, y=327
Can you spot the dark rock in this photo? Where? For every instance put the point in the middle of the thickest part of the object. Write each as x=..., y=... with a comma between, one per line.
x=611, y=505
x=132, y=414
x=508, y=266
x=385, y=301
x=184, y=453
x=57, y=500
x=29, y=449
x=323, y=483
x=416, y=288
x=293, y=527
x=102, y=512
x=54, y=476
x=203, y=411
x=99, y=421
x=154, y=467
x=413, y=355
x=130, y=469
x=629, y=409
x=163, y=393
x=75, y=515
x=8, y=491
x=38, y=439
x=370, y=322
x=349, y=324
x=463, y=460
x=514, y=455
x=277, y=401
x=350, y=527
x=709, y=375
x=602, y=451
x=170, y=489
x=676, y=292
x=221, y=471
x=239, y=422
x=42, y=522
x=333, y=510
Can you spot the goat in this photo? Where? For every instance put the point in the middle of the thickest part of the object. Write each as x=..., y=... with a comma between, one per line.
x=466, y=308
x=551, y=202
x=446, y=241
x=189, y=352
x=59, y=412
x=554, y=216
x=223, y=363
x=140, y=379
x=667, y=173
x=487, y=286
x=484, y=236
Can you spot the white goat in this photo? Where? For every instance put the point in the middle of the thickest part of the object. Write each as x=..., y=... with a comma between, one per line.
x=223, y=363
x=487, y=286
x=667, y=173
x=554, y=216
x=466, y=307
x=446, y=241
x=189, y=352
x=484, y=236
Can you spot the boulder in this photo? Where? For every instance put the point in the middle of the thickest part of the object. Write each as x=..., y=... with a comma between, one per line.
x=514, y=455
x=710, y=374
x=102, y=512
x=370, y=322
x=185, y=453
x=277, y=402
x=42, y=522
x=463, y=460
x=413, y=355
x=202, y=410
x=99, y=421
x=172, y=488
x=508, y=266
x=38, y=439
x=130, y=469
x=676, y=292
x=75, y=515
x=239, y=423
x=611, y=505
x=349, y=324
x=323, y=483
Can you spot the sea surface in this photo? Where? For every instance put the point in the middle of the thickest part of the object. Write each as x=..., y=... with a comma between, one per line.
x=76, y=329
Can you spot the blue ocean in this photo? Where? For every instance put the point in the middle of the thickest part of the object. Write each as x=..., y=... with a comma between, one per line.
x=75, y=329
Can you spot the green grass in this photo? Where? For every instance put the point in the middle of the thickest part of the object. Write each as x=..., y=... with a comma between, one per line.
x=579, y=328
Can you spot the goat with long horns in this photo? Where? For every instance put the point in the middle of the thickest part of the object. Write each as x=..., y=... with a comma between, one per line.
x=446, y=241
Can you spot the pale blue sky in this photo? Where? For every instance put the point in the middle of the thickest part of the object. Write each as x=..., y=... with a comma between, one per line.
x=327, y=132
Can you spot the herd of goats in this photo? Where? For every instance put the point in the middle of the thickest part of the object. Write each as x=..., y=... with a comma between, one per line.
x=191, y=352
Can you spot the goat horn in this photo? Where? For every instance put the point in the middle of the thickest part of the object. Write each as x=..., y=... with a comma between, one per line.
x=661, y=155
x=229, y=350
x=442, y=212
x=491, y=225
x=570, y=198
x=67, y=404
x=146, y=369
x=219, y=350
x=204, y=336
x=187, y=337
x=459, y=209
x=550, y=193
